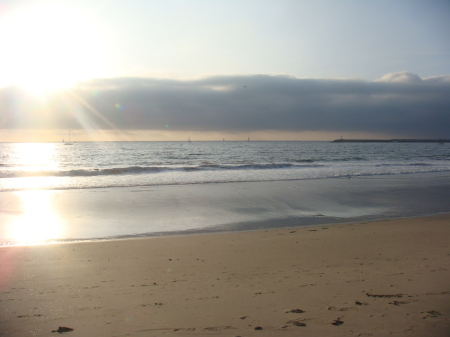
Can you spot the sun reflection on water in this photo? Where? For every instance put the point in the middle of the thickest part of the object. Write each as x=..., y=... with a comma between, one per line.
x=37, y=222
x=35, y=156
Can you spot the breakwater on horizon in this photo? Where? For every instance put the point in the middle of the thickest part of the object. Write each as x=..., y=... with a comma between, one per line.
x=342, y=140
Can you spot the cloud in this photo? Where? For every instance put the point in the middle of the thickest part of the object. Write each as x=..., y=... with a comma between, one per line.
x=401, y=104
x=400, y=77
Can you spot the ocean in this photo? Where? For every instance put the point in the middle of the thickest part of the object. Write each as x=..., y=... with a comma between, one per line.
x=25, y=166
x=51, y=192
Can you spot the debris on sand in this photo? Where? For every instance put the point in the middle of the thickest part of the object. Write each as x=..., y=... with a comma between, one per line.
x=337, y=322
x=62, y=329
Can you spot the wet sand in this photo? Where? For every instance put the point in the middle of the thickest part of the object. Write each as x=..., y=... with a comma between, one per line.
x=40, y=215
x=380, y=278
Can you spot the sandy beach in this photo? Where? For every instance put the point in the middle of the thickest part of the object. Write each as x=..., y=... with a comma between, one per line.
x=379, y=278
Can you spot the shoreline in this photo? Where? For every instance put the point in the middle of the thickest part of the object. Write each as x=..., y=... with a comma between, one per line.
x=47, y=215
x=380, y=278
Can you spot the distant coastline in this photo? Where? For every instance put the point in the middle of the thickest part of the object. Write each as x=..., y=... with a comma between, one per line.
x=391, y=140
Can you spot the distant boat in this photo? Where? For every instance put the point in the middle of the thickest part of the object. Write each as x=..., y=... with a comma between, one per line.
x=189, y=139
x=69, y=142
x=248, y=139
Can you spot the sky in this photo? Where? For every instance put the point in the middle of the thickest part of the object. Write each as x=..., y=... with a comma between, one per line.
x=208, y=70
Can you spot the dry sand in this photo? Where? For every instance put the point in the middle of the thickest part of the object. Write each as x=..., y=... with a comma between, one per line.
x=379, y=278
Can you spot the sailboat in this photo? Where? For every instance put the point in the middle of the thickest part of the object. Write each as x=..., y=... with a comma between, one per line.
x=69, y=142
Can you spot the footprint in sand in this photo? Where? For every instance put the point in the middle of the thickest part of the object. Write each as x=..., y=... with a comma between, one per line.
x=296, y=322
x=431, y=313
x=218, y=328
x=361, y=303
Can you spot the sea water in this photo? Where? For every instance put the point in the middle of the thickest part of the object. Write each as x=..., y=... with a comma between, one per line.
x=28, y=166
x=52, y=192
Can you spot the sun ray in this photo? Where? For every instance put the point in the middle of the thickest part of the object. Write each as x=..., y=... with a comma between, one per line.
x=84, y=120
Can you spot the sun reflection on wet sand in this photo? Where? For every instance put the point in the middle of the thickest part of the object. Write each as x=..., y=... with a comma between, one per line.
x=36, y=222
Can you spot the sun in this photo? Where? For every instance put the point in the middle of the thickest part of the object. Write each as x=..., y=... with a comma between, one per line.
x=49, y=46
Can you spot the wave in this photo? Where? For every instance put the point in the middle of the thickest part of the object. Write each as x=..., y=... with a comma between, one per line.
x=304, y=160
x=149, y=170
x=403, y=164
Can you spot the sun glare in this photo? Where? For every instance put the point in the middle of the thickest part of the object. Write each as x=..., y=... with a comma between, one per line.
x=34, y=219
x=49, y=47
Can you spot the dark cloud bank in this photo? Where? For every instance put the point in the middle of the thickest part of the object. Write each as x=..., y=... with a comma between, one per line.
x=400, y=104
